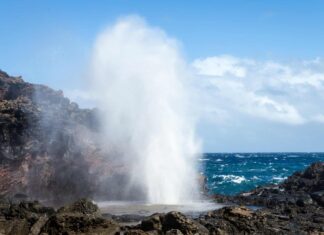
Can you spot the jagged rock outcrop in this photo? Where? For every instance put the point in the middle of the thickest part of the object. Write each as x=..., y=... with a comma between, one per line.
x=31, y=218
x=81, y=217
x=47, y=144
x=242, y=220
x=171, y=223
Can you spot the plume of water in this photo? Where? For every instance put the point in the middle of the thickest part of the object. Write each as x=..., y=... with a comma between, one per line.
x=141, y=83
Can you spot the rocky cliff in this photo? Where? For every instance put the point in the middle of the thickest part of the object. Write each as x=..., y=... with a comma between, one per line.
x=48, y=144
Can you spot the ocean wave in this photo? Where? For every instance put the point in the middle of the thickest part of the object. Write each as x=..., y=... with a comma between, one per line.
x=230, y=178
x=293, y=156
x=204, y=159
x=257, y=170
x=239, y=156
x=278, y=178
x=255, y=178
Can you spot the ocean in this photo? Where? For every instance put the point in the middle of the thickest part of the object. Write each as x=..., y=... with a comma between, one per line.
x=231, y=173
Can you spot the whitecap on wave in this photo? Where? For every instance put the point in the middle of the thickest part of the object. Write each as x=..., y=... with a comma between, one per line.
x=278, y=178
x=293, y=156
x=239, y=156
x=255, y=178
x=230, y=178
x=203, y=159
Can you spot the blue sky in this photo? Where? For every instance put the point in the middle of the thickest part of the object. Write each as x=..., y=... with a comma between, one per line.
x=266, y=51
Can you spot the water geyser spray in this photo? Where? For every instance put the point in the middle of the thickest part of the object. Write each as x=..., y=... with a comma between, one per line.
x=140, y=80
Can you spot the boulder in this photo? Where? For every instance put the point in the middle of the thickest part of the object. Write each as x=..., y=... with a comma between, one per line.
x=82, y=206
x=174, y=232
x=172, y=223
x=154, y=222
x=176, y=220
x=82, y=216
x=310, y=180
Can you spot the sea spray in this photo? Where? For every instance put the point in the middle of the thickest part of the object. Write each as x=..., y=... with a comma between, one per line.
x=141, y=83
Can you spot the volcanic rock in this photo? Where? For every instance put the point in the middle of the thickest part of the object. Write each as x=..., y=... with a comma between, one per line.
x=31, y=218
x=48, y=146
x=82, y=206
x=169, y=223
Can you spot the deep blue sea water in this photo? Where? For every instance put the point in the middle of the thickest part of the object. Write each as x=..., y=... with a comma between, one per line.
x=231, y=173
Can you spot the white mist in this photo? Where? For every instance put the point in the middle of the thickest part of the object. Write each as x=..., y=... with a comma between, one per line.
x=141, y=81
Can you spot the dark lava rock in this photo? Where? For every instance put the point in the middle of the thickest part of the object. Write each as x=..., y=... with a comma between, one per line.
x=31, y=218
x=310, y=180
x=154, y=222
x=82, y=206
x=126, y=218
x=241, y=220
x=169, y=223
x=76, y=223
x=23, y=218
x=233, y=220
x=318, y=197
x=176, y=220
x=174, y=232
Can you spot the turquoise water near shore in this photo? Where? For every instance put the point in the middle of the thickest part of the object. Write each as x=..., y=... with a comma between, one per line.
x=231, y=173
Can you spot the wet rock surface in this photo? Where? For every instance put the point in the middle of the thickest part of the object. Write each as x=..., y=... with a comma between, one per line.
x=26, y=218
x=171, y=223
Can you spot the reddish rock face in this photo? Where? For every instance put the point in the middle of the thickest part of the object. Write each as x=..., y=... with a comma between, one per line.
x=48, y=146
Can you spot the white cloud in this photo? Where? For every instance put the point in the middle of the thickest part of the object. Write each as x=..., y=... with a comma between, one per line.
x=221, y=65
x=319, y=118
x=288, y=93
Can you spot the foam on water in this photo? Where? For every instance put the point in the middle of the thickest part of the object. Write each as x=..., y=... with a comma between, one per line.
x=230, y=178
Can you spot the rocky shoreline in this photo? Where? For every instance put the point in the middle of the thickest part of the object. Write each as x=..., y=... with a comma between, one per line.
x=292, y=207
